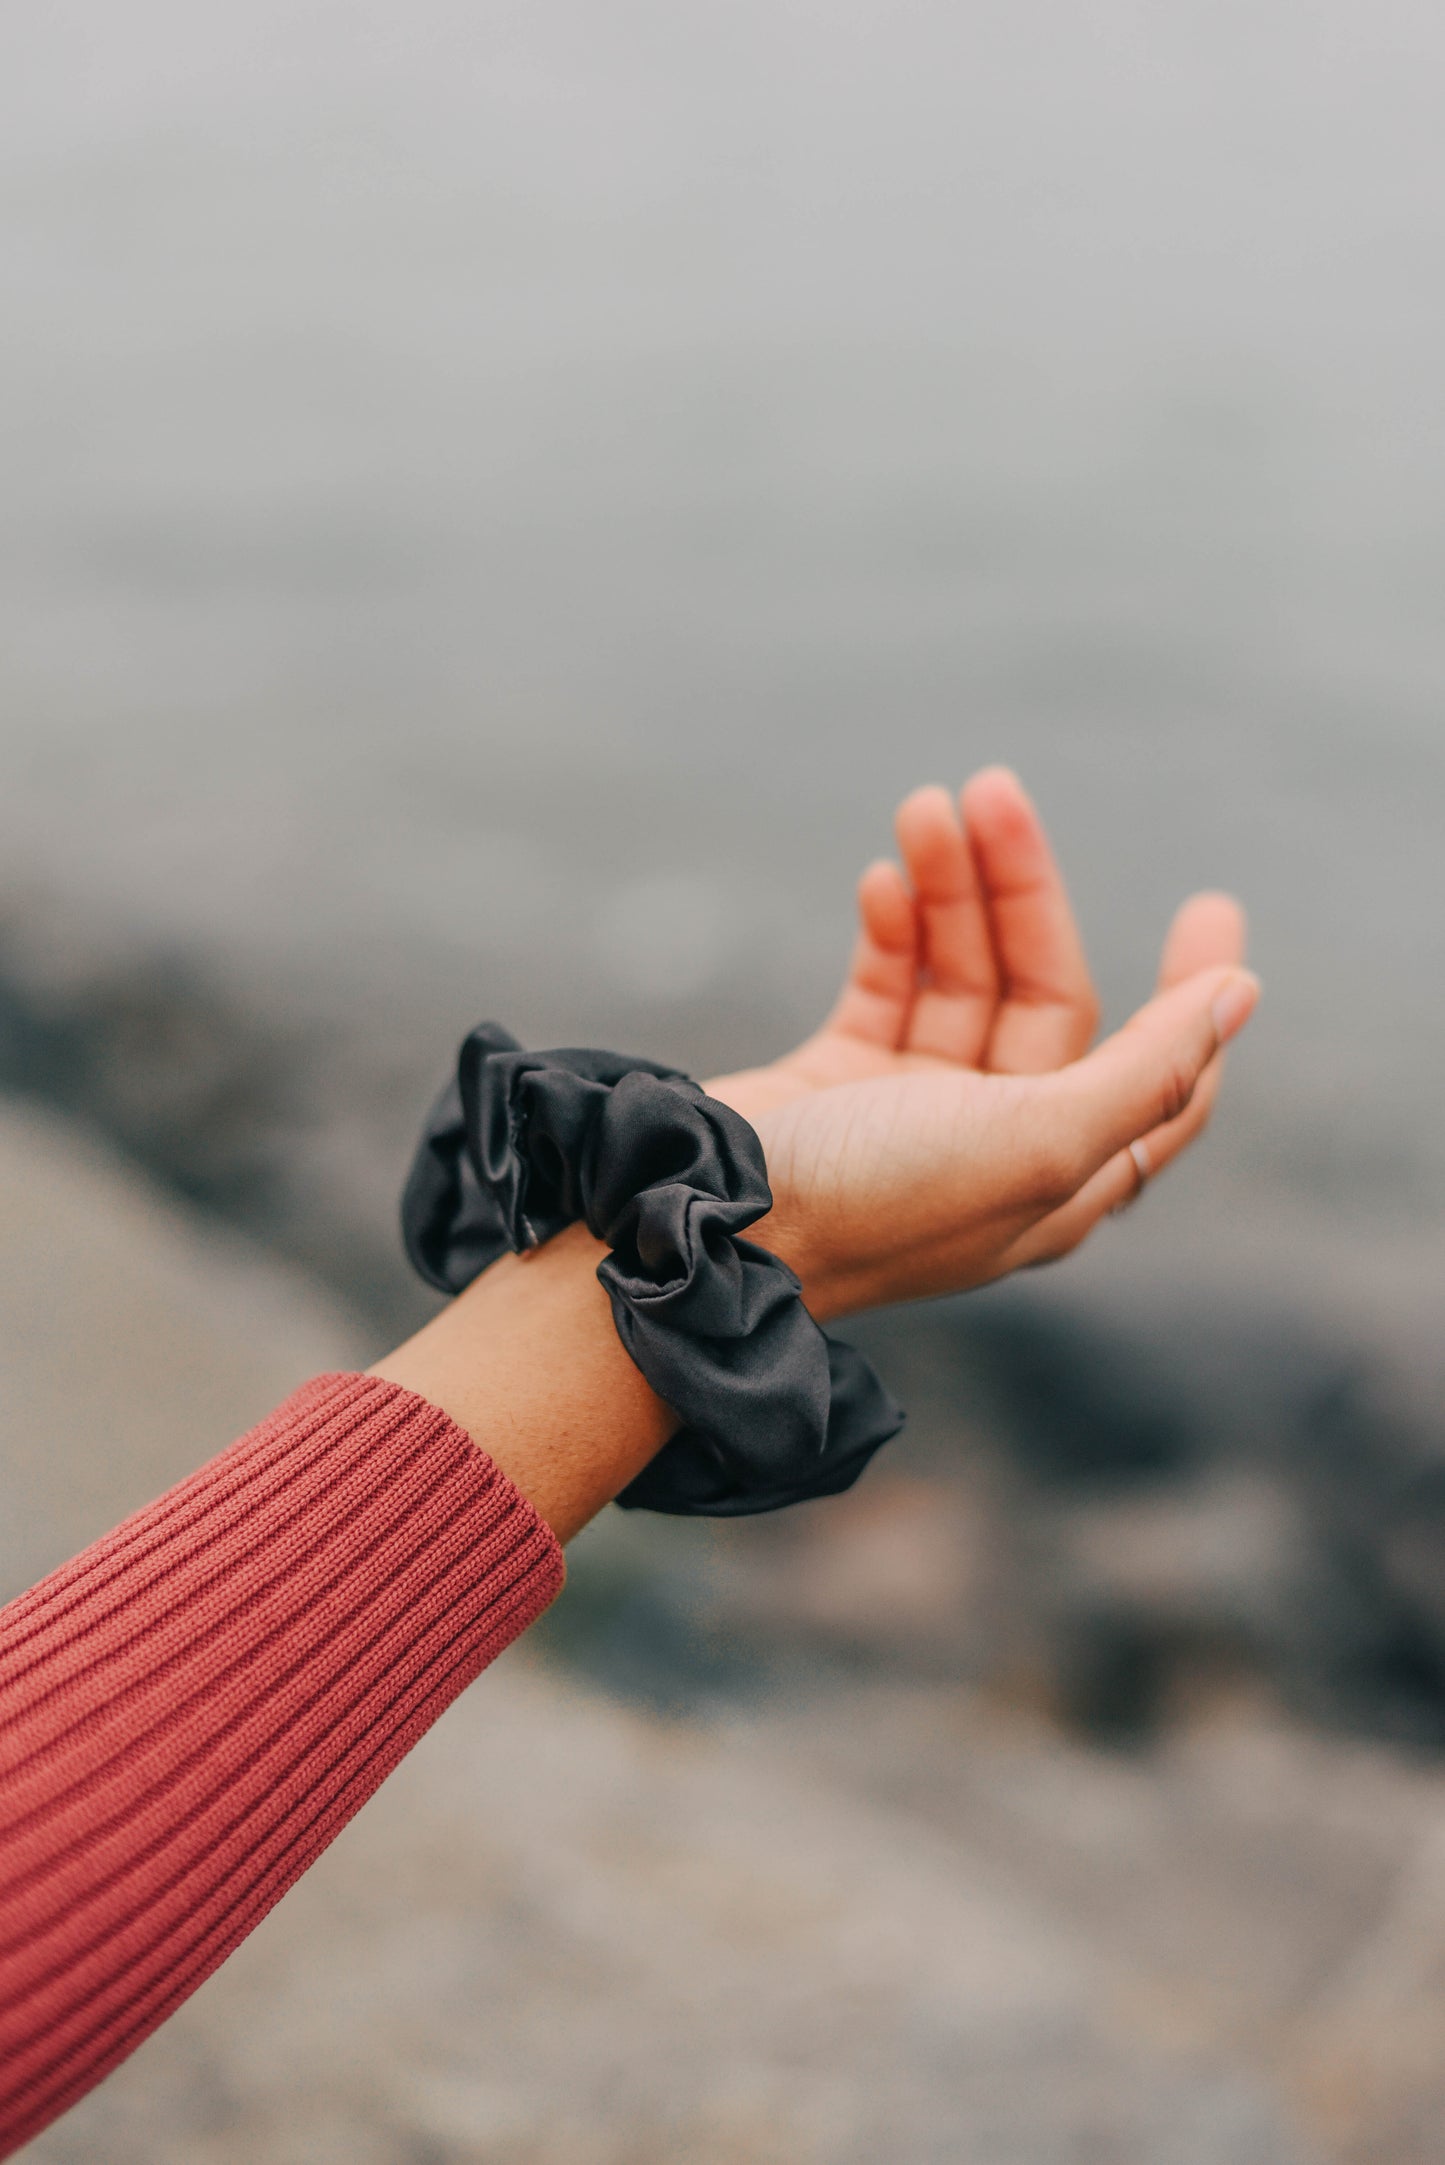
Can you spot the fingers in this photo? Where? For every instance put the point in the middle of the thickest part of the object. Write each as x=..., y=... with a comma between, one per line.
x=954, y=1010
x=1118, y=1183
x=877, y=998
x=1008, y=983
x=1048, y=1008
x=1208, y=930
x=1147, y=1075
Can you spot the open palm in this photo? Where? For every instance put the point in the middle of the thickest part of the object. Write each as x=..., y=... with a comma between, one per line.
x=970, y=954
x=969, y=962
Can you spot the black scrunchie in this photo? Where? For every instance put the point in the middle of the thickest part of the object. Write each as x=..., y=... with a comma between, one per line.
x=521, y=1144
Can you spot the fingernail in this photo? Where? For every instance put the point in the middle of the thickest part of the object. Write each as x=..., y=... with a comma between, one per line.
x=1234, y=1005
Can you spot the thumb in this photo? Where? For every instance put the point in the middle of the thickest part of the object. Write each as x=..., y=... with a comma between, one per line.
x=1208, y=933
x=1145, y=1074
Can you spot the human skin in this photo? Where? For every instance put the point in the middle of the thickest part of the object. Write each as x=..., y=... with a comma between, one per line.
x=947, y=1124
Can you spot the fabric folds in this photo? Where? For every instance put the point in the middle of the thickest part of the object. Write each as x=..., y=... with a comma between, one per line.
x=521, y=1144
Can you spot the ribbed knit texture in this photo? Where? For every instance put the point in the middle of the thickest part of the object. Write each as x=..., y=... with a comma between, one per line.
x=192, y=1709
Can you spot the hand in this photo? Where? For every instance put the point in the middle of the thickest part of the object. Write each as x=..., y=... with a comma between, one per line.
x=932, y=1182
x=969, y=955
x=943, y=1127
x=969, y=980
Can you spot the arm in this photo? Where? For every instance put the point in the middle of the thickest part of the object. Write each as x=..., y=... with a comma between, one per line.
x=193, y=1708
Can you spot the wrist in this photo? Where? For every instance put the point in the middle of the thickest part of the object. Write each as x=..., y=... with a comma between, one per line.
x=789, y=1233
x=791, y=1229
x=527, y=1361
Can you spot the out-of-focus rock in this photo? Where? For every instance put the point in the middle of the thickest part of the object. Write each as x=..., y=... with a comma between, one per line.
x=135, y=1340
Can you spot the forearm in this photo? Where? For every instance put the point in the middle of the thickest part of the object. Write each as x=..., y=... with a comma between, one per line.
x=528, y=1362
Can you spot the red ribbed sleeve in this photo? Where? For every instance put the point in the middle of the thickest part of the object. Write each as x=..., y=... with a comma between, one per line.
x=194, y=1707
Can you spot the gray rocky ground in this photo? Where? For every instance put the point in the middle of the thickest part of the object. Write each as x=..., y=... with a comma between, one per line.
x=830, y=1912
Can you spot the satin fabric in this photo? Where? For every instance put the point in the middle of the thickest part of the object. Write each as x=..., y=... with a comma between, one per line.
x=521, y=1144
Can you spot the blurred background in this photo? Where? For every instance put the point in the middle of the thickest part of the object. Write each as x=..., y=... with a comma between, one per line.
x=497, y=505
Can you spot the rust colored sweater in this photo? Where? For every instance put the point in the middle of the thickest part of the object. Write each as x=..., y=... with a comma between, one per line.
x=194, y=1707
